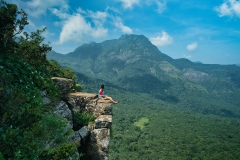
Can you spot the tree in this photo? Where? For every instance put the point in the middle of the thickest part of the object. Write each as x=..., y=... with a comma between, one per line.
x=12, y=22
x=32, y=50
x=29, y=47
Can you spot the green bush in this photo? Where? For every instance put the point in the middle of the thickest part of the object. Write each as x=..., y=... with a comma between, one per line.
x=26, y=78
x=62, y=151
x=78, y=88
x=83, y=118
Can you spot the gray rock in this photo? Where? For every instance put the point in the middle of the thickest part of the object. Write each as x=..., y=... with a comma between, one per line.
x=63, y=110
x=103, y=121
x=84, y=132
x=95, y=138
x=46, y=100
x=195, y=76
x=64, y=84
x=103, y=138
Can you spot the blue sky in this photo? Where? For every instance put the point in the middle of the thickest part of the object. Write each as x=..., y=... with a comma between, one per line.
x=199, y=30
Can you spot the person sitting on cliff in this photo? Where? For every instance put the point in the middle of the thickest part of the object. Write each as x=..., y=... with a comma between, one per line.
x=102, y=96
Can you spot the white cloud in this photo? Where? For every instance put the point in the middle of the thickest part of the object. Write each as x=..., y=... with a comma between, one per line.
x=113, y=9
x=119, y=24
x=162, y=39
x=161, y=5
x=187, y=56
x=229, y=8
x=98, y=17
x=80, y=26
x=76, y=28
x=59, y=13
x=192, y=46
x=99, y=32
x=36, y=8
x=80, y=10
x=31, y=25
x=129, y=3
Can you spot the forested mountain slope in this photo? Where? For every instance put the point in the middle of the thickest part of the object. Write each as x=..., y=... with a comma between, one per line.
x=168, y=108
x=133, y=63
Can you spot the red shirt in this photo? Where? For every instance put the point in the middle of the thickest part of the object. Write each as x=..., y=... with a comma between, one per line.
x=101, y=92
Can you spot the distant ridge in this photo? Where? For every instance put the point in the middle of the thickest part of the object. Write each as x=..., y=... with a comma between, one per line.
x=133, y=63
x=198, y=62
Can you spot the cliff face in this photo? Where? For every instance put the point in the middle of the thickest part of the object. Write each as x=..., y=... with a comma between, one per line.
x=92, y=140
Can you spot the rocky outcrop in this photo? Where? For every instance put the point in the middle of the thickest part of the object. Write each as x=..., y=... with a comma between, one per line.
x=95, y=144
x=93, y=140
x=63, y=110
x=195, y=76
x=64, y=84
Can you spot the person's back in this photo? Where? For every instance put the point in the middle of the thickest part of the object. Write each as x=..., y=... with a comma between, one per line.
x=101, y=92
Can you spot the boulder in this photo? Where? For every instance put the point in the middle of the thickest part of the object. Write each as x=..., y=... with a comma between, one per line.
x=79, y=100
x=98, y=146
x=103, y=121
x=80, y=136
x=99, y=107
x=102, y=137
x=63, y=110
x=64, y=84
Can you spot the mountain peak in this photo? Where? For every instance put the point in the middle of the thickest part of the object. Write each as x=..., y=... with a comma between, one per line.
x=86, y=45
x=136, y=42
x=133, y=37
x=90, y=42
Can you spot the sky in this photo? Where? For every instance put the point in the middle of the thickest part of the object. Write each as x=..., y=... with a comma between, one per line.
x=199, y=30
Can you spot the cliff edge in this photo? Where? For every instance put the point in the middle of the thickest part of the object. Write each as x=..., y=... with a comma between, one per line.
x=92, y=139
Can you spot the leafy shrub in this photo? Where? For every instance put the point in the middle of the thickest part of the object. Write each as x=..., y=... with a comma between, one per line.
x=83, y=118
x=78, y=88
x=63, y=151
x=25, y=77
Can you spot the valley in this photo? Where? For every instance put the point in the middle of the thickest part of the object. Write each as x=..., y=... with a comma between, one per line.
x=192, y=108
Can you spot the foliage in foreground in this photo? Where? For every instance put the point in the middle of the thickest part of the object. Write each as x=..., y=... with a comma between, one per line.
x=28, y=128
